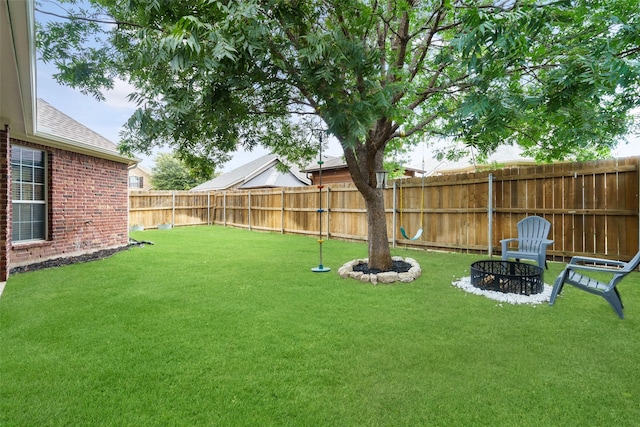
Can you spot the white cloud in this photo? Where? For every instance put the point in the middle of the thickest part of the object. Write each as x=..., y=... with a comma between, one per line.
x=118, y=96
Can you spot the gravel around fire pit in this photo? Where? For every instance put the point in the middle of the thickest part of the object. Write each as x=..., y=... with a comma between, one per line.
x=465, y=284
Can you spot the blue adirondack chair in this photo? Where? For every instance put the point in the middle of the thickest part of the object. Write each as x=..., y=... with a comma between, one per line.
x=532, y=241
x=587, y=265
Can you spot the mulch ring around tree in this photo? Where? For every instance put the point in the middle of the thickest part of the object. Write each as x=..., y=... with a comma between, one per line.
x=398, y=267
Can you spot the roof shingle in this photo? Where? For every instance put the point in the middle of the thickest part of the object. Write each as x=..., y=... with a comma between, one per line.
x=55, y=123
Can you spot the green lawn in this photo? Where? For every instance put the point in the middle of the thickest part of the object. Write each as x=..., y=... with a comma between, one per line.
x=226, y=327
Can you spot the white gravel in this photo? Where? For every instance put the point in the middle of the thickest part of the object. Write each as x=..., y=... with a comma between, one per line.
x=464, y=283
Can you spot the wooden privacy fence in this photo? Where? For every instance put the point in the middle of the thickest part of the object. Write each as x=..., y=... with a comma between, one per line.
x=152, y=208
x=592, y=206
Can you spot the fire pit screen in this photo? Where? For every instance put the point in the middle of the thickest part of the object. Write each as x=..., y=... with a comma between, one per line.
x=507, y=277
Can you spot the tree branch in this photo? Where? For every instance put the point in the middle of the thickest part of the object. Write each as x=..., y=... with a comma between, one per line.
x=416, y=66
x=71, y=17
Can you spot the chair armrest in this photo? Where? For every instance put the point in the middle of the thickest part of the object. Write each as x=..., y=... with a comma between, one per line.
x=505, y=244
x=598, y=261
x=610, y=270
x=504, y=241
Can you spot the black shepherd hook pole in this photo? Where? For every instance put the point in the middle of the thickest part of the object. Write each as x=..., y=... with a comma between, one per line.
x=320, y=268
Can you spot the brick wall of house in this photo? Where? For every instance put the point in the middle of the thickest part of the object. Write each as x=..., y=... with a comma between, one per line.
x=87, y=206
x=4, y=202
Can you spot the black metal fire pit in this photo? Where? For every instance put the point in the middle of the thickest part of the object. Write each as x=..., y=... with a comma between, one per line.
x=507, y=277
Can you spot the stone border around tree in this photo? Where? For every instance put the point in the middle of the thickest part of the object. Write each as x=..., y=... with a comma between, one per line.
x=346, y=271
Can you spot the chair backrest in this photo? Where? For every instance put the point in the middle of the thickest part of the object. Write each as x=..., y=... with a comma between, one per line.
x=531, y=232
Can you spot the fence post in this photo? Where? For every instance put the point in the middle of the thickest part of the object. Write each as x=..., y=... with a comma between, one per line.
x=173, y=208
x=282, y=212
x=490, y=237
x=224, y=208
x=214, y=214
x=328, y=211
x=249, y=209
x=393, y=216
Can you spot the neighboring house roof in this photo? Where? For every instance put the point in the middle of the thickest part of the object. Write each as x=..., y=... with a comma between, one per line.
x=330, y=163
x=506, y=155
x=259, y=173
x=142, y=169
x=272, y=177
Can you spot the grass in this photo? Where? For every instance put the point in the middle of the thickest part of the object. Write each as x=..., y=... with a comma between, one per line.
x=226, y=327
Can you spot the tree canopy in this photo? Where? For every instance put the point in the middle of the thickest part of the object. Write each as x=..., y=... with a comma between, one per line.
x=558, y=78
x=170, y=173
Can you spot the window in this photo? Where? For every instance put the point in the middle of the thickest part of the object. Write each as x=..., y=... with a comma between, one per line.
x=29, y=206
x=136, y=181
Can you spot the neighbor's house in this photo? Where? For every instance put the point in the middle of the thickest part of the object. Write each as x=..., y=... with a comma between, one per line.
x=64, y=187
x=263, y=172
x=139, y=178
x=336, y=171
x=506, y=156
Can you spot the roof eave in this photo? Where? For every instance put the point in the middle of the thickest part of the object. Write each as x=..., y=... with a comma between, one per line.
x=19, y=85
x=78, y=147
x=328, y=168
x=260, y=169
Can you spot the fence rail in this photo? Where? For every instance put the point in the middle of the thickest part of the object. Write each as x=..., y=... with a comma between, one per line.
x=592, y=206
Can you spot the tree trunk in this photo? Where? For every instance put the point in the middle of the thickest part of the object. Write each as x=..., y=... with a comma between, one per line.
x=363, y=162
x=379, y=253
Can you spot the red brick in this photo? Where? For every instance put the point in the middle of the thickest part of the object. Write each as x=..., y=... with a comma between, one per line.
x=81, y=219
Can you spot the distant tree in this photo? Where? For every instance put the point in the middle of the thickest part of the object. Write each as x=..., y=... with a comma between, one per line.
x=170, y=173
x=556, y=77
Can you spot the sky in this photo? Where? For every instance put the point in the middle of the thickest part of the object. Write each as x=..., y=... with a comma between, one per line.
x=107, y=118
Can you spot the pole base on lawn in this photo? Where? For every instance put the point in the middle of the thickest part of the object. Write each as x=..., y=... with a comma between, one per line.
x=320, y=269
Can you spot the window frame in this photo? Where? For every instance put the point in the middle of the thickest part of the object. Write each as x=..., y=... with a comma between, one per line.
x=138, y=181
x=32, y=237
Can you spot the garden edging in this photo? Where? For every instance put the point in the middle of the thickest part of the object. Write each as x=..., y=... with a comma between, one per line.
x=346, y=271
